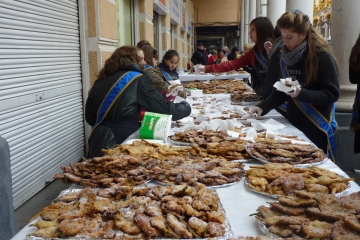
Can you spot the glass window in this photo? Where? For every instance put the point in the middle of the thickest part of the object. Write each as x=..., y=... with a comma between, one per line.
x=125, y=22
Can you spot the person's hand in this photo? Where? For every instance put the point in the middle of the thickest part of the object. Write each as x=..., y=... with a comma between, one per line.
x=268, y=46
x=256, y=112
x=294, y=93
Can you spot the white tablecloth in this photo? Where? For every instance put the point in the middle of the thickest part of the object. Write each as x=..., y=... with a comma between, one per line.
x=191, y=77
x=239, y=202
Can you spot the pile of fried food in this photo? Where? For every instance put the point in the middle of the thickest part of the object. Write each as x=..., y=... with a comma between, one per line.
x=248, y=96
x=213, y=144
x=218, y=86
x=284, y=151
x=284, y=179
x=133, y=164
x=313, y=216
x=141, y=212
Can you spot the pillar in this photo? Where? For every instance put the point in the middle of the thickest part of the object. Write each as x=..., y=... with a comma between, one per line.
x=252, y=14
x=263, y=8
x=327, y=30
x=275, y=8
x=246, y=17
x=146, y=26
x=242, y=29
x=305, y=6
x=345, y=19
x=258, y=8
x=165, y=34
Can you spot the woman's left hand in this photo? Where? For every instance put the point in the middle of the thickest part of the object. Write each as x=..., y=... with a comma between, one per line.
x=295, y=93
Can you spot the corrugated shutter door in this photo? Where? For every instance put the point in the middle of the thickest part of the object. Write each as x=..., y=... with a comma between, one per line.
x=41, y=110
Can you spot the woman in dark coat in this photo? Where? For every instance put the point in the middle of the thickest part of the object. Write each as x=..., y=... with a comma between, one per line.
x=117, y=96
x=354, y=76
x=306, y=57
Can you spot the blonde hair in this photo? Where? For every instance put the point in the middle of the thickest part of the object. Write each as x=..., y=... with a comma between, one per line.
x=299, y=23
x=247, y=46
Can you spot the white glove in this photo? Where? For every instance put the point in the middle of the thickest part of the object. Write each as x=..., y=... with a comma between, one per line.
x=256, y=112
x=268, y=46
x=294, y=93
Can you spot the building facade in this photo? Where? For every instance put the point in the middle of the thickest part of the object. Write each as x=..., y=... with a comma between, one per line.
x=51, y=54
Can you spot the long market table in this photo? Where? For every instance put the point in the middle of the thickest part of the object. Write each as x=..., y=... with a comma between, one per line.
x=191, y=77
x=238, y=201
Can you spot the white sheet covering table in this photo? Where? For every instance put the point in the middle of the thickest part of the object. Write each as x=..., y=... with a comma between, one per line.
x=239, y=202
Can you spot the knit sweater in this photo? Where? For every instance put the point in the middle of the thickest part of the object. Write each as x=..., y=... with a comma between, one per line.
x=320, y=92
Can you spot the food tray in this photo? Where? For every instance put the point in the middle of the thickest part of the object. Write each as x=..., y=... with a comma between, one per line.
x=246, y=181
x=218, y=186
x=296, y=165
x=228, y=231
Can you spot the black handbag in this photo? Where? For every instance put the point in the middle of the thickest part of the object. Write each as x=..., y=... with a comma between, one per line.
x=102, y=137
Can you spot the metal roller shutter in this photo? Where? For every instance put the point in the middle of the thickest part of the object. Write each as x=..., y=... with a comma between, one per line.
x=41, y=110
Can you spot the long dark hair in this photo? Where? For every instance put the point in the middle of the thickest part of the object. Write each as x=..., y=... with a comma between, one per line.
x=149, y=54
x=169, y=55
x=299, y=23
x=264, y=32
x=354, y=60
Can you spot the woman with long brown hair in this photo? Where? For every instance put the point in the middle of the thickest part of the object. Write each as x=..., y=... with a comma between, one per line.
x=307, y=58
x=354, y=76
x=117, y=96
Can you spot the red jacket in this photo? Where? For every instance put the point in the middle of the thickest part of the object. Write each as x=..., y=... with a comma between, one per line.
x=247, y=59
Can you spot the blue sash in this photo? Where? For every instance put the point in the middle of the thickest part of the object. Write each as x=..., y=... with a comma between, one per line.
x=329, y=127
x=114, y=93
x=284, y=106
x=167, y=75
x=356, y=110
x=148, y=66
x=262, y=60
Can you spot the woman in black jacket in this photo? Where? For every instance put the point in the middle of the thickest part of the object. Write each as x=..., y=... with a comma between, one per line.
x=306, y=57
x=115, y=100
x=354, y=76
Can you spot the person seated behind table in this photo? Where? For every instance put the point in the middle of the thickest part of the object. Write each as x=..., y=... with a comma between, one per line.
x=159, y=81
x=116, y=118
x=168, y=65
x=233, y=54
x=306, y=57
x=221, y=57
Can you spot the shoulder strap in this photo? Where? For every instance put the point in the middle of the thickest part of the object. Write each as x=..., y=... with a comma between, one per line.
x=167, y=75
x=114, y=93
x=262, y=60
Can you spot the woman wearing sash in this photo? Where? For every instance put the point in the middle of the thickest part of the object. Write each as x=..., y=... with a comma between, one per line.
x=261, y=31
x=159, y=80
x=306, y=57
x=168, y=65
x=354, y=76
x=117, y=96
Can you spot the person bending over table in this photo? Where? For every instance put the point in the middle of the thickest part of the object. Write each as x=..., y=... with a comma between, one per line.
x=117, y=96
x=261, y=31
x=306, y=57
